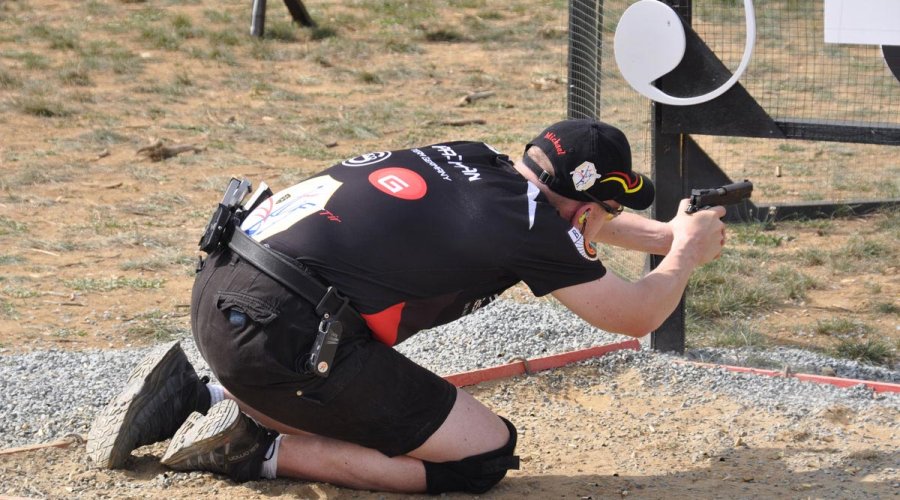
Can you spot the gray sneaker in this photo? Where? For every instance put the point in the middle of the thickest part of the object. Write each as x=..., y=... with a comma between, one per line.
x=162, y=390
x=225, y=441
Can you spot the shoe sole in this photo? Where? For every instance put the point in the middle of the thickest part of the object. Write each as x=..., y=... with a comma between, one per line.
x=201, y=435
x=108, y=444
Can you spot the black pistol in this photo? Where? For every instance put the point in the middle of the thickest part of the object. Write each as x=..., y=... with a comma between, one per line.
x=728, y=194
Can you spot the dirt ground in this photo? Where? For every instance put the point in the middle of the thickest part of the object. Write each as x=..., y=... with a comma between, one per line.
x=583, y=434
x=97, y=240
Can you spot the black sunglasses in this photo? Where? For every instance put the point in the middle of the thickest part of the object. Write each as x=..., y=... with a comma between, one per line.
x=614, y=212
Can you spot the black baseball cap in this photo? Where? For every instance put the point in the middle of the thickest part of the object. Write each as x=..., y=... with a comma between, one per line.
x=591, y=162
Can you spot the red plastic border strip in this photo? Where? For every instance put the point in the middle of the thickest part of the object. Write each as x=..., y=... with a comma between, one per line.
x=537, y=364
x=819, y=379
x=529, y=366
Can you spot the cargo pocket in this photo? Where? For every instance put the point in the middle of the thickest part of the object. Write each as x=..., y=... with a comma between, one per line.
x=349, y=361
x=241, y=306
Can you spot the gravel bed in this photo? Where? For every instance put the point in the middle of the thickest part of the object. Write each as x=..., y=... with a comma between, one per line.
x=45, y=395
x=797, y=361
x=785, y=395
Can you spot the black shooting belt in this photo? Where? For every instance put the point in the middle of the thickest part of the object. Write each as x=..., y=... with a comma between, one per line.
x=335, y=310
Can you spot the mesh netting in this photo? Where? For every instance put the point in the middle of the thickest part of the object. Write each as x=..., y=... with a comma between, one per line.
x=795, y=77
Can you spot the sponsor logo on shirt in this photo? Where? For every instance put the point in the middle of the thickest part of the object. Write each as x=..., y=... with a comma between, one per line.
x=455, y=161
x=292, y=205
x=367, y=159
x=399, y=182
x=330, y=216
x=440, y=171
x=587, y=249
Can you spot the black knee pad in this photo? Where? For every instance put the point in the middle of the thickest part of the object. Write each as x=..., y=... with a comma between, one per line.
x=475, y=474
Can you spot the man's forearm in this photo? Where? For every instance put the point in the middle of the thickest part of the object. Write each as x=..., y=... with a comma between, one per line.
x=635, y=232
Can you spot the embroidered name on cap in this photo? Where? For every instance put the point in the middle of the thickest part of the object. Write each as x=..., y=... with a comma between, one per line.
x=557, y=144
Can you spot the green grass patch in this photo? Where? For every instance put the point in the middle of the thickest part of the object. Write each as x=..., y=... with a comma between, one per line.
x=35, y=176
x=109, y=284
x=154, y=325
x=716, y=290
x=184, y=27
x=103, y=137
x=58, y=39
x=811, y=257
x=863, y=247
x=224, y=37
x=369, y=77
x=168, y=258
x=9, y=226
x=217, y=53
x=158, y=37
x=862, y=252
x=43, y=106
x=867, y=351
x=794, y=284
x=107, y=55
x=11, y=260
x=322, y=32
x=8, y=80
x=52, y=245
x=444, y=35
x=218, y=16
x=67, y=332
x=20, y=293
x=838, y=327
x=124, y=62
x=76, y=75
x=281, y=31
x=889, y=222
x=402, y=46
x=30, y=60
x=7, y=310
x=755, y=234
x=886, y=308
x=728, y=333
x=789, y=147
x=104, y=224
x=398, y=12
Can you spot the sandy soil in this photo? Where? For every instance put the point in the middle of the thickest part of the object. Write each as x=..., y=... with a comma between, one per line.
x=583, y=434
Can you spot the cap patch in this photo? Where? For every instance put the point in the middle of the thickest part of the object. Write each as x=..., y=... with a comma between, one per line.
x=584, y=176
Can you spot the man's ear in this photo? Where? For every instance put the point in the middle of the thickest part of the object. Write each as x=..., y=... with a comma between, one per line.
x=582, y=214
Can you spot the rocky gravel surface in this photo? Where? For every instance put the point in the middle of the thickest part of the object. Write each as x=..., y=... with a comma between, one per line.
x=45, y=395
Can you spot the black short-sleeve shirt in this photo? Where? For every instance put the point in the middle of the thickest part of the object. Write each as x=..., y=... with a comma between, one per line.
x=420, y=237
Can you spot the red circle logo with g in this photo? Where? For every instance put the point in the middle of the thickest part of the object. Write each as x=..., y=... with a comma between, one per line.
x=399, y=182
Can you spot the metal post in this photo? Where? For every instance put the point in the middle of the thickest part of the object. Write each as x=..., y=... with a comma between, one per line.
x=670, y=179
x=584, y=60
x=258, y=18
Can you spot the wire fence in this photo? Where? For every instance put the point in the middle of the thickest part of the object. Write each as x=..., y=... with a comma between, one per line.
x=794, y=76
